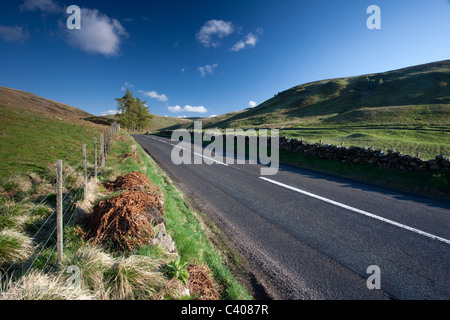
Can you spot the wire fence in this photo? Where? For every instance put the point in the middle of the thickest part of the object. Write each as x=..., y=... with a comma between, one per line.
x=44, y=237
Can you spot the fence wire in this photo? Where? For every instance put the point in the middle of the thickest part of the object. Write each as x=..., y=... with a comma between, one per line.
x=38, y=205
x=43, y=245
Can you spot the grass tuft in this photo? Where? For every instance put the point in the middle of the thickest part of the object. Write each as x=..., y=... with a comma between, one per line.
x=15, y=246
x=40, y=286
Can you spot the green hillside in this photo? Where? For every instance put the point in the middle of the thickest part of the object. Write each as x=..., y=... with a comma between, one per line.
x=420, y=95
x=35, y=132
x=406, y=109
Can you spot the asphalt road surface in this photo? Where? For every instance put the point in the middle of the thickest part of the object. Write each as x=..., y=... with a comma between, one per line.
x=309, y=235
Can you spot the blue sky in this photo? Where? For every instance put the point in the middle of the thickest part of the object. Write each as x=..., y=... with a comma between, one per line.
x=203, y=58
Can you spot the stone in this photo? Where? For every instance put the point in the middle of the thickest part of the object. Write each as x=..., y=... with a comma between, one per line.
x=165, y=241
x=434, y=167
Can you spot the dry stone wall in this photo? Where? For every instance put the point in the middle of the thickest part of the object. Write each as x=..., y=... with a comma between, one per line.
x=357, y=155
x=376, y=157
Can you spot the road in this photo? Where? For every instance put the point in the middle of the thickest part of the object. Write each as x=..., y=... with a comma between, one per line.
x=308, y=235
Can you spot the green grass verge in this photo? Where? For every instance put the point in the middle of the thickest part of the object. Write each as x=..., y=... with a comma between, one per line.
x=435, y=185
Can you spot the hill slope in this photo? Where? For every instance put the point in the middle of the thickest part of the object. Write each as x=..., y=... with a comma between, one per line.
x=35, y=132
x=29, y=102
x=414, y=95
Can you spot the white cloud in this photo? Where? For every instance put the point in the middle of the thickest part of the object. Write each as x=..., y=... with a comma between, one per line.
x=13, y=34
x=187, y=108
x=48, y=6
x=175, y=109
x=98, y=34
x=249, y=41
x=213, y=115
x=154, y=95
x=213, y=31
x=252, y=103
x=208, y=69
x=200, y=109
x=109, y=113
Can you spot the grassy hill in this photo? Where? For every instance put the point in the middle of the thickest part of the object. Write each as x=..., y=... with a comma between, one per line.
x=420, y=94
x=167, y=123
x=28, y=102
x=406, y=109
x=35, y=132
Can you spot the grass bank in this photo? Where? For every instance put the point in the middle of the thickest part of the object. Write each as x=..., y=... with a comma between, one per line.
x=428, y=184
x=28, y=265
x=29, y=141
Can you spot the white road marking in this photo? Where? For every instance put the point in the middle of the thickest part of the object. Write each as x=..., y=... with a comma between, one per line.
x=176, y=146
x=368, y=214
x=198, y=154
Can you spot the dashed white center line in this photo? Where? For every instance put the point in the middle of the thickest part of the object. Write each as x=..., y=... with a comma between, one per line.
x=216, y=161
x=176, y=146
x=368, y=214
x=198, y=154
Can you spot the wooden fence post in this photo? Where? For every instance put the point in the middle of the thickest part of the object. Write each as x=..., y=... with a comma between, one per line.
x=84, y=172
x=95, y=158
x=106, y=142
x=102, y=150
x=109, y=138
x=59, y=209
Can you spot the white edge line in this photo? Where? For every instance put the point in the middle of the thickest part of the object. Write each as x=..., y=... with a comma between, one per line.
x=368, y=214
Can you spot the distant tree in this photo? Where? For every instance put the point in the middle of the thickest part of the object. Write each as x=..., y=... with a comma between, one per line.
x=133, y=113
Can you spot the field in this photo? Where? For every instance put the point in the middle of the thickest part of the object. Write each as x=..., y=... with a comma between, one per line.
x=427, y=142
x=31, y=141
